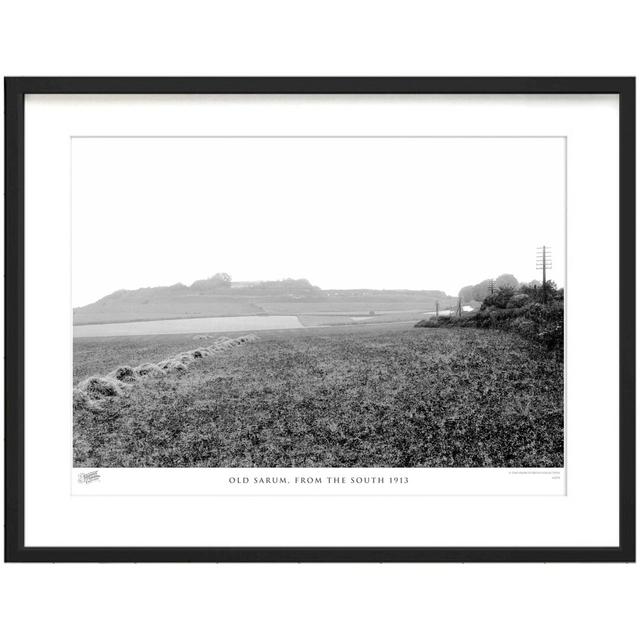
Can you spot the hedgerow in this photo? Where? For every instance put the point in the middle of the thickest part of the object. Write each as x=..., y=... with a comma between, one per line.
x=526, y=311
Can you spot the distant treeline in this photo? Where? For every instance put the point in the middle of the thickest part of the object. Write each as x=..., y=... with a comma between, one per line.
x=220, y=283
x=223, y=281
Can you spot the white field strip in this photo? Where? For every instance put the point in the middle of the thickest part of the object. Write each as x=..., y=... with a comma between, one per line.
x=186, y=325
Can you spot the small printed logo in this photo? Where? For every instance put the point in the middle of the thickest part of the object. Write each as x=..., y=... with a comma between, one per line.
x=88, y=477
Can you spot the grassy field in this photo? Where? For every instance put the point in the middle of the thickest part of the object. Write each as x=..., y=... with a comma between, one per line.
x=210, y=308
x=191, y=307
x=138, y=308
x=346, y=307
x=375, y=396
x=325, y=320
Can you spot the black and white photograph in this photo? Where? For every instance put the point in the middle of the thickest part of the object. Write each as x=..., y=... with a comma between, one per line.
x=320, y=320
x=318, y=301
x=311, y=320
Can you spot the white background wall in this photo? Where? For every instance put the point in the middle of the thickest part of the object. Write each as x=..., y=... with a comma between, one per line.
x=332, y=37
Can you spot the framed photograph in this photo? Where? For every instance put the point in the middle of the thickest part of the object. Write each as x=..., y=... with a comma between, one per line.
x=320, y=319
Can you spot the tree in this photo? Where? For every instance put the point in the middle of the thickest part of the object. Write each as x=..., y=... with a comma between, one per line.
x=224, y=279
x=218, y=281
x=506, y=281
x=535, y=292
x=481, y=290
x=466, y=293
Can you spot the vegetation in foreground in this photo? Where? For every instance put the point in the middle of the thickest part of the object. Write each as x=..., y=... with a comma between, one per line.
x=379, y=397
x=535, y=314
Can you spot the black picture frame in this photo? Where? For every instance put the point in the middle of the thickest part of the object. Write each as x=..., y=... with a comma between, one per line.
x=15, y=91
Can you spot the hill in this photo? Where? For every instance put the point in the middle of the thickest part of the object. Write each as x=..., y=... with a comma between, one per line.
x=219, y=296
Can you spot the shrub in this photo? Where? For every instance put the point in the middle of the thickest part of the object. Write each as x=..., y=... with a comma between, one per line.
x=518, y=300
x=537, y=293
x=466, y=320
x=429, y=322
x=498, y=300
x=515, y=311
x=548, y=325
x=524, y=326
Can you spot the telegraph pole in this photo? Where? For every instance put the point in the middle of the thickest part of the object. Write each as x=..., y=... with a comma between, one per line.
x=459, y=308
x=543, y=263
x=437, y=308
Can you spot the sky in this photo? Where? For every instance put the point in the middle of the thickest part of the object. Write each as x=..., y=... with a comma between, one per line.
x=381, y=213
